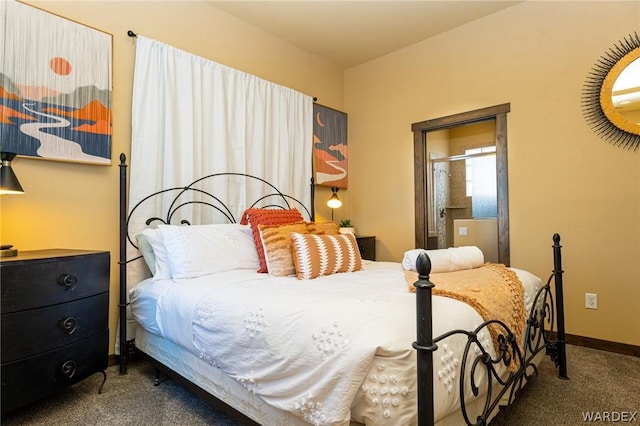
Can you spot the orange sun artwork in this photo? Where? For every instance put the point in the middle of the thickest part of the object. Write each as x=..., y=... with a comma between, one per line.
x=57, y=92
x=60, y=66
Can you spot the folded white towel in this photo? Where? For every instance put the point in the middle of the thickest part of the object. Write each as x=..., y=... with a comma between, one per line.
x=446, y=260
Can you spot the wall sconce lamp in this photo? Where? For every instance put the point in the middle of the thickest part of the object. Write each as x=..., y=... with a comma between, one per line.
x=334, y=202
x=9, y=184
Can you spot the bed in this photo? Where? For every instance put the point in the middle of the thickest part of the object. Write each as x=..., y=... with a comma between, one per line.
x=335, y=340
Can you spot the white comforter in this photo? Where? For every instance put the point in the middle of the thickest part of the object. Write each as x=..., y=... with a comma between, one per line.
x=327, y=350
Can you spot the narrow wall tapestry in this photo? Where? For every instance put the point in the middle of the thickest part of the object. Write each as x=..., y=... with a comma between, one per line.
x=329, y=147
x=55, y=87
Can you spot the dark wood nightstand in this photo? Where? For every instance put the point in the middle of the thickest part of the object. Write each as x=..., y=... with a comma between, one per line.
x=55, y=321
x=367, y=246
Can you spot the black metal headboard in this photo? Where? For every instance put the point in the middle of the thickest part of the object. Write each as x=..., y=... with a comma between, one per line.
x=179, y=199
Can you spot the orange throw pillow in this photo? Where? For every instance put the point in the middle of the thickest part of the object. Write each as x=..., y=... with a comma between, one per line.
x=322, y=228
x=317, y=255
x=255, y=217
x=276, y=240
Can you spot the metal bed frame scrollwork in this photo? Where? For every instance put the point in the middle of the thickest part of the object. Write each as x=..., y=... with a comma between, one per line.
x=539, y=332
x=536, y=339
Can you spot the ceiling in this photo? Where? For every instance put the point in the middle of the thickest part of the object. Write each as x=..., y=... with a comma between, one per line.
x=350, y=32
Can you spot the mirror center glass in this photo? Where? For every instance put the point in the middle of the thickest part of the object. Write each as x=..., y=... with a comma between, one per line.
x=625, y=94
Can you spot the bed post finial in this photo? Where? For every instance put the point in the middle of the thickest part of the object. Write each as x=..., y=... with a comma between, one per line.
x=424, y=343
x=423, y=265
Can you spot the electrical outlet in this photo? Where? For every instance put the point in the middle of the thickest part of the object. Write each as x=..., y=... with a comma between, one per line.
x=591, y=301
x=462, y=231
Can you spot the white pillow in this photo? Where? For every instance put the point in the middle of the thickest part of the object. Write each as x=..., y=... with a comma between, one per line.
x=160, y=258
x=147, y=252
x=196, y=250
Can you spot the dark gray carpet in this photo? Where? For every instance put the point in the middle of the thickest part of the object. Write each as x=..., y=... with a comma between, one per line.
x=129, y=399
x=599, y=382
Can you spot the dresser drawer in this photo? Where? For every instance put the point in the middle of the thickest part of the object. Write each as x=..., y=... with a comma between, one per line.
x=30, y=379
x=30, y=332
x=34, y=283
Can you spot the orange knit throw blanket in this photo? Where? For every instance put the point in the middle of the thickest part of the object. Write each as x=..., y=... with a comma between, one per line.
x=493, y=290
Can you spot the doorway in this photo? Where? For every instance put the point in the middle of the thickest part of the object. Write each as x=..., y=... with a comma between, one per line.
x=444, y=151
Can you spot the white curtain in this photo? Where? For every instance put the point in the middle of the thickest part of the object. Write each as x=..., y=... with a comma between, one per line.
x=193, y=117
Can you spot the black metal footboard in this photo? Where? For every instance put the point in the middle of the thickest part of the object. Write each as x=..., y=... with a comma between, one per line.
x=477, y=359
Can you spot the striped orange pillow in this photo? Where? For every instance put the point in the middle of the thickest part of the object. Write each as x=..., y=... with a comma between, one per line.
x=276, y=241
x=322, y=228
x=317, y=255
x=255, y=217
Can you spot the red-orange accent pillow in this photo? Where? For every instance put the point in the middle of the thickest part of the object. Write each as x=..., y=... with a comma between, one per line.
x=255, y=217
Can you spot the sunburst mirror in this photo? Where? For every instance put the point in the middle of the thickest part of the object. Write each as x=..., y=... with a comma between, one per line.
x=611, y=94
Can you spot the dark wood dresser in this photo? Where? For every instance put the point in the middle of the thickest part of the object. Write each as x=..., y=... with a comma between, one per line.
x=54, y=320
x=367, y=246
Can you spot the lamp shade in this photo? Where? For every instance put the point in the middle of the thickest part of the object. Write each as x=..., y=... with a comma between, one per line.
x=9, y=183
x=334, y=202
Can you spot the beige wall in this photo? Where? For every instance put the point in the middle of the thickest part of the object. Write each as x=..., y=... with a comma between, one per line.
x=562, y=177
x=534, y=55
x=69, y=205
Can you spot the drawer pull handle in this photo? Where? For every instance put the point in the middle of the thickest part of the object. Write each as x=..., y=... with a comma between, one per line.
x=69, y=325
x=68, y=280
x=69, y=368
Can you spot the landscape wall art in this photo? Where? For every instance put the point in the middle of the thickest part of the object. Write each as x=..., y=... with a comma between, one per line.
x=330, y=147
x=55, y=87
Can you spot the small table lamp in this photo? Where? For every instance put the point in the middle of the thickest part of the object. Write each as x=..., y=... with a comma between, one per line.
x=334, y=202
x=9, y=184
